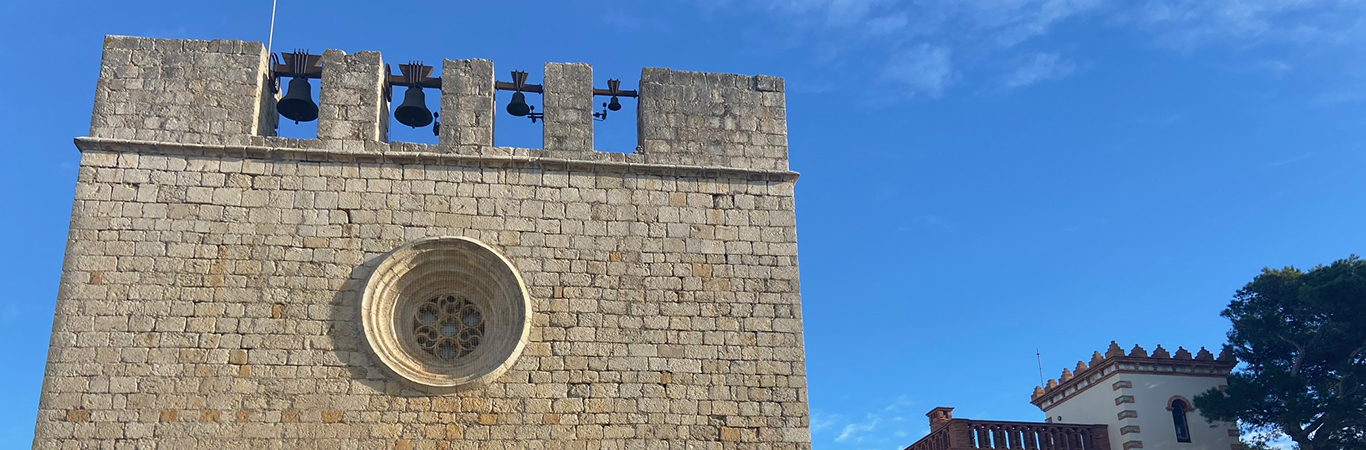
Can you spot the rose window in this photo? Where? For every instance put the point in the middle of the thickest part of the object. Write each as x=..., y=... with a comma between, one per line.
x=448, y=327
x=445, y=314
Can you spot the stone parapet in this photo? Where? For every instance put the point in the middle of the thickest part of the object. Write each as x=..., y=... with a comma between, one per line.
x=710, y=118
x=220, y=92
x=568, y=100
x=352, y=105
x=467, y=105
x=172, y=90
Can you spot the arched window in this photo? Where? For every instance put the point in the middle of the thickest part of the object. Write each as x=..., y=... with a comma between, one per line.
x=1183, y=431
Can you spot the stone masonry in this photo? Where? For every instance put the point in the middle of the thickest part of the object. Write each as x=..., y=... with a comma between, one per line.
x=210, y=294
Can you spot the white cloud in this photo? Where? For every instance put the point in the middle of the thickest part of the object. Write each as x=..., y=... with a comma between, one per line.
x=925, y=47
x=886, y=25
x=1288, y=161
x=12, y=313
x=1192, y=24
x=1040, y=67
x=869, y=431
x=820, y=421
x=1011, y=22
x=923, y=68
x=856, y=431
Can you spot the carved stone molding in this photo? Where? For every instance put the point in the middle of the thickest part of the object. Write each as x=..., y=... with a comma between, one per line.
x=395, y=316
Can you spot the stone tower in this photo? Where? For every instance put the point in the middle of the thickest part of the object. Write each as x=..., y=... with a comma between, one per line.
x=1145, y=399
x=227, y=289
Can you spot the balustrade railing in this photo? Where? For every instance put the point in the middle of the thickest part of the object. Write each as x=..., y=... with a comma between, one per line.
x=966, y=434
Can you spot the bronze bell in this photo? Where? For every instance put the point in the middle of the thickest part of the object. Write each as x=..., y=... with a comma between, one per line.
x=413, y=111
x=615, y=105
x=518, y=106
x=297, y=104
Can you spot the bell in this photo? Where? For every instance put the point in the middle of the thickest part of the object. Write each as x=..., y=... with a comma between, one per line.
x=297, y=104
x=518, y=106
x=413, y=112
x=614, y=105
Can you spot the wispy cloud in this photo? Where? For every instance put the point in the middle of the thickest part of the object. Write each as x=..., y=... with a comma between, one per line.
x=928, y=48
x=12, y=313
x=821, y=421
x=1040, y=67
x=930, y=221
x=887, y=25
x=921, y=69
x=1189, y=24
x=1288, y=161
x=882, y=427
x=855, y=432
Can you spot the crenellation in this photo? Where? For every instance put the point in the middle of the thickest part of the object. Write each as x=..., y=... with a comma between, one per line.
x=568, y=100
x=353, y=110
x=168, y=90
x=712, y=119
x=467, y=105
x=683, y=118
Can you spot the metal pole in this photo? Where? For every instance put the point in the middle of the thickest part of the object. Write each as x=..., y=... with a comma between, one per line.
x=1039, y=359
x=270, y=40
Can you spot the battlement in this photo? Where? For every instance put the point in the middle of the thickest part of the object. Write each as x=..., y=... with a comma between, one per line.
x=219, y=94
x=1137, y=360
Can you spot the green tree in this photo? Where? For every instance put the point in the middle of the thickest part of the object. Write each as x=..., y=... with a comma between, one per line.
x=1301, y=337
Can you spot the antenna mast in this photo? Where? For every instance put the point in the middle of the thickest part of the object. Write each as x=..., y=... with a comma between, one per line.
x=270, y=39
x=1039, y=359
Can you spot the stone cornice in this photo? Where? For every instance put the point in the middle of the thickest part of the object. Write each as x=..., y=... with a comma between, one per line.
x=411, y=153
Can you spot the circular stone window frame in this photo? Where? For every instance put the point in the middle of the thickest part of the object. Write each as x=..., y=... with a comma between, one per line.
x=449, y=265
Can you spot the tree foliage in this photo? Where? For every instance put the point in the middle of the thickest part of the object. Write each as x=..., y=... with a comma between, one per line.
x=1301, y=337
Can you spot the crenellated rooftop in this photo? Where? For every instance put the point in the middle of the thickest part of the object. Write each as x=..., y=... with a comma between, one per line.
x=1136, y=360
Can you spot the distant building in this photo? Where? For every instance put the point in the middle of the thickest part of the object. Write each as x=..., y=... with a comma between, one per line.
x=1119, y=401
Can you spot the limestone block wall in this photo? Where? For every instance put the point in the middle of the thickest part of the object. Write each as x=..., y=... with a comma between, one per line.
x=216, y=92
x=568, y=107
x=174, y=90
x=713, y=119
x=210, y=296
x=467, y=97
x=351, y=102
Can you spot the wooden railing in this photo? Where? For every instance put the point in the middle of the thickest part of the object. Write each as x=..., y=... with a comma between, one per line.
x=966, y=434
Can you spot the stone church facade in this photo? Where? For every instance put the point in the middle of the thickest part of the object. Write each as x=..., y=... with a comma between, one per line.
x=224, y=288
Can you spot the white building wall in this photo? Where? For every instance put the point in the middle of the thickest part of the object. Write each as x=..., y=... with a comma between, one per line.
x=1094, y=404
x=1150, y=394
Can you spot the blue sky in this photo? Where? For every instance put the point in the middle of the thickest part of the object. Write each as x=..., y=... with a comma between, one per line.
x=980, y=178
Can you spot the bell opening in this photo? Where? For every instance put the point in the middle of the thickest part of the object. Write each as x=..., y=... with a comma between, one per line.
x=512, y=128
x=414, y=115
x=618, y=133
x=296, y=110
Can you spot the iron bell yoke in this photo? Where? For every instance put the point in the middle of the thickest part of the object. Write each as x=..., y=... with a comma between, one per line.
x=517, y=106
